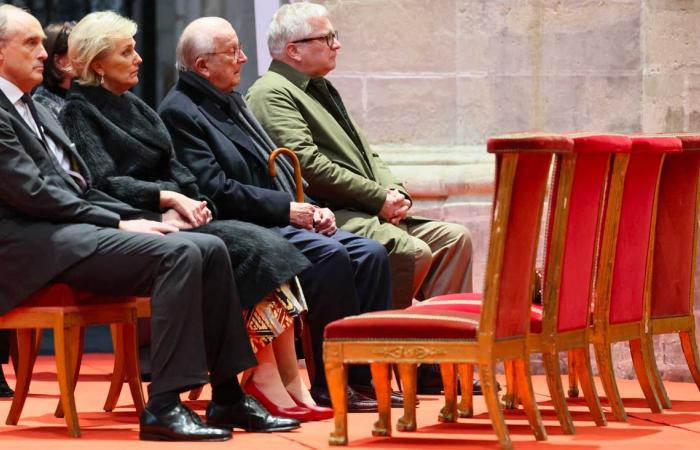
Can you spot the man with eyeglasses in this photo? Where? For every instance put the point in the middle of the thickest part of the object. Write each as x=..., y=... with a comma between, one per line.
x=300, y=109
x=219, y=140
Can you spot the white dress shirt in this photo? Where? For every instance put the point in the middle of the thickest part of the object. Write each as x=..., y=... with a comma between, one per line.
x=14, y=94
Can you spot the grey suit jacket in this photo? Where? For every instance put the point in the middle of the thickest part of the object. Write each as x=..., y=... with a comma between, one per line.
x=47, y=222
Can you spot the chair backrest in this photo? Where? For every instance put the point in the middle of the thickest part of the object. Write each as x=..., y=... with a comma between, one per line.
x=629, y=224
x=673, y=277
x=522, y=170
x=575, y=215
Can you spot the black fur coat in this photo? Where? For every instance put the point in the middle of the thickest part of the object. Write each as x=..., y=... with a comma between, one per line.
x=130, y=155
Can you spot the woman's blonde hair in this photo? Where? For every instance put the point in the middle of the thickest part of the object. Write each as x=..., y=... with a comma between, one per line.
x=93, y=37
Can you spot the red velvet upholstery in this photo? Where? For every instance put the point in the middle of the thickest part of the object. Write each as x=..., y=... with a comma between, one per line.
x=404, y=324
x=469, y=303
x=529, y=141
x=586, y=200
x=635, y=226
x=521, y=245
x=63, y=295
x=601, y=143
x=675, y=232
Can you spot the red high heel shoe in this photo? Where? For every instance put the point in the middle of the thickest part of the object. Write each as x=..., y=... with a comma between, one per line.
x=300, y=413
x=320, y=412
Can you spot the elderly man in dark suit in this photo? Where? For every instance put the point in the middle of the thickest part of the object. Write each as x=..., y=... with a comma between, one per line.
x=56, y=228
x=227, y=150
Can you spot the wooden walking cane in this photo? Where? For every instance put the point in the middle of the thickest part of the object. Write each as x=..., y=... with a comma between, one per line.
x=303, y=321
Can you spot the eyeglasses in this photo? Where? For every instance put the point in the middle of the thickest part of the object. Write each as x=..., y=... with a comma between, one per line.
x=236, y=53
x=330, y=38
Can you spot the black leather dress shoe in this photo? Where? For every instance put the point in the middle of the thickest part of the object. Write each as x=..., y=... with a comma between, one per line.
x=249, y=415
x=356, y=402
x=368, y=391
x=5, y=389
x=178, y=424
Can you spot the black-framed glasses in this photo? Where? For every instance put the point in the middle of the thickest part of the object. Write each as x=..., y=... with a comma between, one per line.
x=331, y=37
x=236, y=53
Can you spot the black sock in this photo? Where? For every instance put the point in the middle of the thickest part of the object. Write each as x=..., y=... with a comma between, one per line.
x=2, y=375
x=163, y=402
x=227, y=393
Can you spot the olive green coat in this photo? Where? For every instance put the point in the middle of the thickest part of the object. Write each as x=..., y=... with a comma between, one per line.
x=342, y=170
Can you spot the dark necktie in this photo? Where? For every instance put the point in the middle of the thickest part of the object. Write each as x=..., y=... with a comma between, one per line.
x=27, y=99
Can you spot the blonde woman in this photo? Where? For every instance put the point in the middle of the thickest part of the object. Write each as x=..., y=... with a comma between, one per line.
x=130, y=154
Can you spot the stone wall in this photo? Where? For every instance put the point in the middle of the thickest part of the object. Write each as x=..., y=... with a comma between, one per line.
x=430, y=80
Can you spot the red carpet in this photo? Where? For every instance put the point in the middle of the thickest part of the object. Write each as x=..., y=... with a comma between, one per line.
x=676, y=429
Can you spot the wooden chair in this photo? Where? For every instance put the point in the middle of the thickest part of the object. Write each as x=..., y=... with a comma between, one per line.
x=675, y=243
x=68, y=312
x=119, y=374
x=621, y=311
x=576, y=205
x=447, y=337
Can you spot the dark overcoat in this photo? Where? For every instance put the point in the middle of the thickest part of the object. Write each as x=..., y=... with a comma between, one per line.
x=130, y=153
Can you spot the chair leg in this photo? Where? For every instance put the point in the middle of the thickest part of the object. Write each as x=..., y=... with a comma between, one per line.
x=77, y=344
x=603, y=357
x=118, y=373
x=449, y=382
x=131, y=363
x=573, y=376
x=527, y=396
x=337, y=379
x=382, y=387
x=656, y=380
x=407, y=373
x=641, y=359
x=582, y=364
x=510, y=398
x=195, y=393
x=26, y=341
x=690, y=350
x=556, y=390
x=466, y=378
x=64, y=372
x=487, y=375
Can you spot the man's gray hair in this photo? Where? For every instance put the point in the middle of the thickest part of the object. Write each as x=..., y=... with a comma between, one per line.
x=5, y=10
x=196, y=39
x=291, y=23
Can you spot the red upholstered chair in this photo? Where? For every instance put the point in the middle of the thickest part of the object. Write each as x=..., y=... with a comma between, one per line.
x=621, y=310
x=577, y=201
x=499, y=333
x=673, y=277
x=68, y=312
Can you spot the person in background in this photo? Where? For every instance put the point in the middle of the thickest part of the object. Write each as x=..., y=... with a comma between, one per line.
x=58, y=72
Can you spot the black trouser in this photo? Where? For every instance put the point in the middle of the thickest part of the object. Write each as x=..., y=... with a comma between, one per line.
x=196, y=321
x=4, y=346
x=350, y=275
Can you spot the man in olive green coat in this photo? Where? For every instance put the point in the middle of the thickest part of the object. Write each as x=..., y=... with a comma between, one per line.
x=301, y=110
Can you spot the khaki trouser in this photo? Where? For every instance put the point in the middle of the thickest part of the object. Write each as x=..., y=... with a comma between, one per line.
x=427, y=257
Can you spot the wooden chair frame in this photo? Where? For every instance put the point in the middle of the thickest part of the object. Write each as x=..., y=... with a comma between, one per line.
x=68, y=324
x=485, y=351
x=684, y=325
x=604, y=333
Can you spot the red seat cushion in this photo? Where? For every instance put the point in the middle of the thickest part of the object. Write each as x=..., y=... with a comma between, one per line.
x=469, y=303
x=655, y=144
x=63, y=295
x=691, y=142
x=558, y=143
x=405, y=324
x=601, y=143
